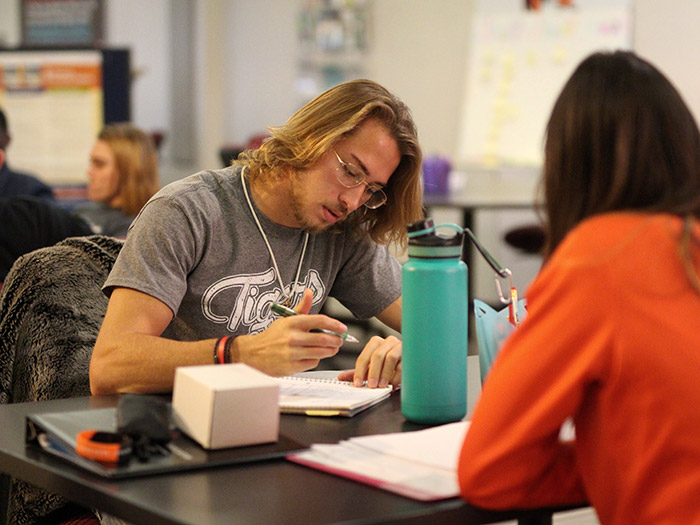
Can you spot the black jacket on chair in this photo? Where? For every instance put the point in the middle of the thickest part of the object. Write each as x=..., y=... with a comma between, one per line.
x=30, y=223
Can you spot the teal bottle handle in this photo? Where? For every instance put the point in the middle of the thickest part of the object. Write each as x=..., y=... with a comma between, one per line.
x=432, y=229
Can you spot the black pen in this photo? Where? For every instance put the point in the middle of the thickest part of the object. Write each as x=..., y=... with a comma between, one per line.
x=288, y=312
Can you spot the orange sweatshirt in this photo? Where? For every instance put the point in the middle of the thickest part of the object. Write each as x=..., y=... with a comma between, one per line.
x=611, y=340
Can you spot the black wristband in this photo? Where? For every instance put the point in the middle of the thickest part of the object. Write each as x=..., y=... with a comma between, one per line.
x=227, y=350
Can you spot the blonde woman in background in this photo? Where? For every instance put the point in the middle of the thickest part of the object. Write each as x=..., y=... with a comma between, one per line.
x=122, y=176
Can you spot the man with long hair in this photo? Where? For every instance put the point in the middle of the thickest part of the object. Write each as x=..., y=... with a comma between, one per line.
x=307, y=215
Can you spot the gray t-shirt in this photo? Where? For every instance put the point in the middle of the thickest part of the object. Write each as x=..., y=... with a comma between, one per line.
x=196, y=247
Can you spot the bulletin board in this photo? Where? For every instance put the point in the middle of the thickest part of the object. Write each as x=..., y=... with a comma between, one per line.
x=56, y=102
x=518, y=64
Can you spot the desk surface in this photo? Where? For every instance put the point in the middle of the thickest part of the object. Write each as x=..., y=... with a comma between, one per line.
x=275, y=491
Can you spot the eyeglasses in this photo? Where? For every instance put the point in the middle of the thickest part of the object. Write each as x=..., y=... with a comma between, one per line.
x=351, y=176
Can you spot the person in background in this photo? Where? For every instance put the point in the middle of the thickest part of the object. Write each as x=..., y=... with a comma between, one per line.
x=306, y=215
x=14, y=183
x=122, y=176
x=610, y=339
x=29, y=223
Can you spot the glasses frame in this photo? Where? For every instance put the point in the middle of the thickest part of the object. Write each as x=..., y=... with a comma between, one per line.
x=375, y=193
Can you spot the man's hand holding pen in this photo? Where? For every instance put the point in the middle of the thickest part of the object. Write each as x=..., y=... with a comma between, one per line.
x=378, y=365
x=290, y=344
x=288, y=312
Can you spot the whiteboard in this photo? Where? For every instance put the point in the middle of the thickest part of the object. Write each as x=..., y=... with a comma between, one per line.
x=518, y=63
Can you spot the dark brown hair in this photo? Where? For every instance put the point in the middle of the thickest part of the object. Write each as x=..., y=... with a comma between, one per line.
x=333, y=115
x=620, y=137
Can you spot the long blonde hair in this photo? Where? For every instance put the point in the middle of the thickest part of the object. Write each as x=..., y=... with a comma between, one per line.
x=136, y=162
x=332, y=116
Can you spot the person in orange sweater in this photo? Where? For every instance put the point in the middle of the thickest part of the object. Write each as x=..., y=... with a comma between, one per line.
x=611, y=339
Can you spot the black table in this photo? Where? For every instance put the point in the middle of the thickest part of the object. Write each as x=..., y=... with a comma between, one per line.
x=275, y=491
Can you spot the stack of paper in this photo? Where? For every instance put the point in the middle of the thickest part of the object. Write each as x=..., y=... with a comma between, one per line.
x=421, y=465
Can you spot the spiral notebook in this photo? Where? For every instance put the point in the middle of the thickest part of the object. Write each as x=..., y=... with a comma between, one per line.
x=318, y=396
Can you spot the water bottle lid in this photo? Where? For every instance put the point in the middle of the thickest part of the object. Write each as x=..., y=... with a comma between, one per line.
x=418, y=228
x=424, y=241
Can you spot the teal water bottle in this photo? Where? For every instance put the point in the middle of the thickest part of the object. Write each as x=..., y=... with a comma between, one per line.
x=434, y=325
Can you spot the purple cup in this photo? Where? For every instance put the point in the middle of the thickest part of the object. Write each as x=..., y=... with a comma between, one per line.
x=436, y=175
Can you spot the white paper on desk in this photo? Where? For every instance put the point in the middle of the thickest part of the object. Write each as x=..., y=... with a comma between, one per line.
x=389, y=461
x=437, y=447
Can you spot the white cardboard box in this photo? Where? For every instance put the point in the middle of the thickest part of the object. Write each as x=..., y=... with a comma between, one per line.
x=222, y=406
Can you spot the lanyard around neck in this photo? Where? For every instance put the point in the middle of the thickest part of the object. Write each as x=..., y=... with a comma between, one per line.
x=285, y=299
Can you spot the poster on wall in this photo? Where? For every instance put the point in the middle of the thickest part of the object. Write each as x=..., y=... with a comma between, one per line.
x=54, y=105
x=61, y=23
x=518, y=64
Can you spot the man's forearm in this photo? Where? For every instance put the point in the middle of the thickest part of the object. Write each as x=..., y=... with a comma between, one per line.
x=141, y=363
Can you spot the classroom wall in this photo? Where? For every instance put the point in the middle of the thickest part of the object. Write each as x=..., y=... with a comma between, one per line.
x=418, y=49
x=405, y=55
x=9, y=22
x=144, y=28
x=257, y=65
x=261, y=69
x=667, y=34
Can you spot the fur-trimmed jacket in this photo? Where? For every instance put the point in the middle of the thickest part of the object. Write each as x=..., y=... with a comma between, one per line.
x=51, y=309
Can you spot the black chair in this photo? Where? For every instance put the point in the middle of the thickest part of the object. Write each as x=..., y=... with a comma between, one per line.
x=529, y=239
